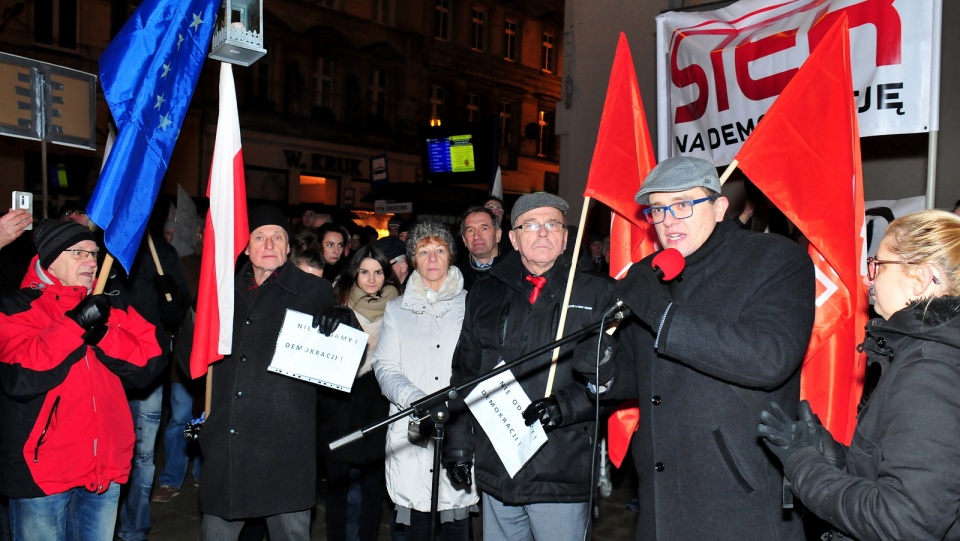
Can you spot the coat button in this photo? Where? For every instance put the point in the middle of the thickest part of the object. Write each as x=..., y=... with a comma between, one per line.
x=438, y=346
x=658, y=466
x=243, y=358
x=881, y=342
x=655, y=400
x=239, y=394
x=247, y=321
x=234, y=431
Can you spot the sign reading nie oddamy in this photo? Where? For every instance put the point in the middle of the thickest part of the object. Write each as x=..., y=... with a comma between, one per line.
x=303, y=352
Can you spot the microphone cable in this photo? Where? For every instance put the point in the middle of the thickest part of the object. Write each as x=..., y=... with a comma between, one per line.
x=596, y=425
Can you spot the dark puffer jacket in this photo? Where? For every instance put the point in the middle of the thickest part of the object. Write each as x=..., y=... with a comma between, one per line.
x=501, y=324
x=902, y=476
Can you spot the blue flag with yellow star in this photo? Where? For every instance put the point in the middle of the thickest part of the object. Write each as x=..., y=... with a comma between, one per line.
x=148, y=74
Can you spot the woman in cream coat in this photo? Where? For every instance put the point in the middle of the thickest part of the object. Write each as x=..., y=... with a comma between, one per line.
x=413, y=358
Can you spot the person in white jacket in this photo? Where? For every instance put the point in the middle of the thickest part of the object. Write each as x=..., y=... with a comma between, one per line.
x=413, y=359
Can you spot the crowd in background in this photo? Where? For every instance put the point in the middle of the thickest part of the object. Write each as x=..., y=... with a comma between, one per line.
x=440, y=306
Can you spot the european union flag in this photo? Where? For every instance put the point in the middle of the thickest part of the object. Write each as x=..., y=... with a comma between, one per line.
x=148, y=74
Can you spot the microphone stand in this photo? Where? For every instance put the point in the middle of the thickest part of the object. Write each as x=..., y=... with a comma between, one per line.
x=434, y=405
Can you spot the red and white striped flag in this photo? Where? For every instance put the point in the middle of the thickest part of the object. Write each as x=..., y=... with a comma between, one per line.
x=224, y=236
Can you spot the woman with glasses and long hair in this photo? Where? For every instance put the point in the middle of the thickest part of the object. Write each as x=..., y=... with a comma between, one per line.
x=899, y=477
x=365, y=286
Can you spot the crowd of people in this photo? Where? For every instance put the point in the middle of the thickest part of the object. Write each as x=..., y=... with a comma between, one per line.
x=725, y=448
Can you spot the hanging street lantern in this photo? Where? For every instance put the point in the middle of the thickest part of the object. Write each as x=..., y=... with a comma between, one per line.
x=238, y=38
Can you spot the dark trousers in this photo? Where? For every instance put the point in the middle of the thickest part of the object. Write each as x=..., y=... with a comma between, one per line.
x=371, y=482
x=419, y=528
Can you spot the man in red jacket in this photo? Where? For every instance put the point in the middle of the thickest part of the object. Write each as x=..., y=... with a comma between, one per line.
x=66, y=435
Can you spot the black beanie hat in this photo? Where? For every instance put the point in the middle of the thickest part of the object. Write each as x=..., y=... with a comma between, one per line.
x=54, y=236
x=266, y=215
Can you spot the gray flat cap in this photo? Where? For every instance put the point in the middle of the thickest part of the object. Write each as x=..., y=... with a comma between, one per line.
x=678, y=174
x=536, y=200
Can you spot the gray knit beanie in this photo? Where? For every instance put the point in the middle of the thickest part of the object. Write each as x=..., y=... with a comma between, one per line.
x=430, y=228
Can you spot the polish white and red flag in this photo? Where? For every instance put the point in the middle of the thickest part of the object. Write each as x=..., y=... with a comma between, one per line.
x=224, y=236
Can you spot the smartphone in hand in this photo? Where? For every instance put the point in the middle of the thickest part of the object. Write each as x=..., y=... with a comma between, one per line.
x=23, y=200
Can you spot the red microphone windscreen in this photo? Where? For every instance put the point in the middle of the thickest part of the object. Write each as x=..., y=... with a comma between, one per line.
x=670, y=262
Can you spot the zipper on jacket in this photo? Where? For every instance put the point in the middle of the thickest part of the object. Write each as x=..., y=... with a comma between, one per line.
x=40, y=441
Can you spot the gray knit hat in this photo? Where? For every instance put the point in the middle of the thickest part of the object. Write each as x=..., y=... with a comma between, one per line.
x=53, y=237
x=430, y=228
x=678, y=174
x=536, y=200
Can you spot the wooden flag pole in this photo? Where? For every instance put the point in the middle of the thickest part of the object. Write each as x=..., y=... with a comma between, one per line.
x=156, y=261
x=104, y=274
x=566, y=295
x=729, y=171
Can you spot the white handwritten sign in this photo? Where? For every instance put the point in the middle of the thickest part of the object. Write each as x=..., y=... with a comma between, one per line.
x=305, y=353
x=498, y=405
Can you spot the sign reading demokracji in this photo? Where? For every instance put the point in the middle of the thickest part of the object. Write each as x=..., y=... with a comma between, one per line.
x=719, y=71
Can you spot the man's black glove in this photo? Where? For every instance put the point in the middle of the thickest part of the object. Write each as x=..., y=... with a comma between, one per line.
x=458, y=463
x=598, y=371
x=328, y=318
x=644, y=293
x=547, y=410
x=794, y=441
x=165, y=285
x=92, y=314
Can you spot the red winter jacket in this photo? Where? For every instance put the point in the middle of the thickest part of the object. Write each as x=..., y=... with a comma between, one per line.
x=64, y=418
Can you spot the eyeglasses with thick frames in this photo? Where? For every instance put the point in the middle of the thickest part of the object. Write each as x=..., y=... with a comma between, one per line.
x=874, y=264
x=83, y=254
x=681, y=210
x=533, y=227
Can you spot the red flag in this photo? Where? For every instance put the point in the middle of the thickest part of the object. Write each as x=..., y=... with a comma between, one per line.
x=224, y=236
x=805, y=156
x=621, y=160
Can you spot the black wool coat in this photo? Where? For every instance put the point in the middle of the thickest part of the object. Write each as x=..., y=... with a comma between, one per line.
x=259, y=444
x=742, y=316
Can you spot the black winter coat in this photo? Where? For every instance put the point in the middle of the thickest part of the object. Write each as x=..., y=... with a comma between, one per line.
x=501, y=324
x=259, y=444
x=902, y=476
x=742, y=316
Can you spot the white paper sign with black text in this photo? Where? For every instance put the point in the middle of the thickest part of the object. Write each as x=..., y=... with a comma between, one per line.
x=498, y=404
x=303, y=352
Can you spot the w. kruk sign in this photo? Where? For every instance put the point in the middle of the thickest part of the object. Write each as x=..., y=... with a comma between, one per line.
x=719, y=71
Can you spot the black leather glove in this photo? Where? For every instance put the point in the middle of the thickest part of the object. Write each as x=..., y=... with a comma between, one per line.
x=585, y=361
x=547, y=410
x=165, y=285
x=644, y=293
x=458, y=463
x=328, y=318
x=794, y=441
x=91, y=312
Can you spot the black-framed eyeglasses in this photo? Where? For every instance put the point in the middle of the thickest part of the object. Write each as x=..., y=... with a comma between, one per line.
x=73, y=213
x=874, y=264
x=533, y=227
x=681, y=210
x=82, y=254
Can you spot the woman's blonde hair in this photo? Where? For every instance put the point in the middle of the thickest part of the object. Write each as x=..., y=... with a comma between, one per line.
x=929, y=237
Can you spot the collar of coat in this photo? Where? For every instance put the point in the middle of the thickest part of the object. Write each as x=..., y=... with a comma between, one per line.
x=512, y=273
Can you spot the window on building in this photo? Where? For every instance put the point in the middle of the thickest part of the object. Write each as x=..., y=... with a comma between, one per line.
x=506, y=113
x=549, y=55
x=546, y=139
x=381, y=11
x=478, y=27
x=437, y=98
x=55, y=23
x=442, y=29
x=323, y=83
x=473, y=107
x=378, y=93
x=511, y=40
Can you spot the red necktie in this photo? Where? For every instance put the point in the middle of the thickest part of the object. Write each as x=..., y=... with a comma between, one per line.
x=538, y=283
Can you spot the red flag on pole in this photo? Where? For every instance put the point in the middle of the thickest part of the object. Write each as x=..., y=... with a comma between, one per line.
x=224, y=236
x=805, y=157
x=621, y=160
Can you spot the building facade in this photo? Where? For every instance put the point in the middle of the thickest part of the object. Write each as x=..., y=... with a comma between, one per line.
x=343, y=82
